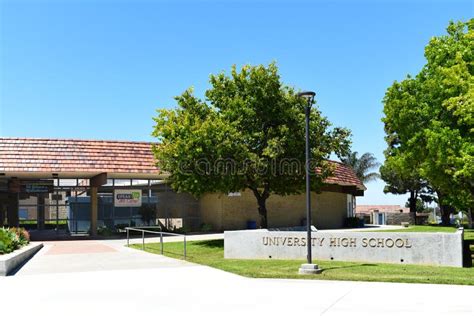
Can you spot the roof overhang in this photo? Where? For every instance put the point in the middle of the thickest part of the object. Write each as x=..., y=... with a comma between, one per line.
x=81, y=175
x=347, y=189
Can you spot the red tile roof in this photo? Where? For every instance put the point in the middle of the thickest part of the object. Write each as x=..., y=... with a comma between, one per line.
x=71, y=155
x=381, y=208
x=94, y=156
x=344, y=175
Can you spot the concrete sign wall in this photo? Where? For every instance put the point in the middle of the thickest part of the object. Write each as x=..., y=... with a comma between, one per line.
x=440, y=249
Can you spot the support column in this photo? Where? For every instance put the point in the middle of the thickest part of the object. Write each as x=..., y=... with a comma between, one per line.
x=12, y=210
x=95, y=182
x=40, y=211
x=94, y=210
x=2, y=211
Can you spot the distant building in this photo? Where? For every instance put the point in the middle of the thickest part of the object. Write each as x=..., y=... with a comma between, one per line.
x=384, y=214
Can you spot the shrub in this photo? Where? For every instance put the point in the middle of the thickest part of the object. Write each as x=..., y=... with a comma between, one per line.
x=119, y=227
x=105, y=231
x=22, y=234
x=12, y=239
x=352, y=222
x=206, y=227
x=181, y=230
x=6, y=242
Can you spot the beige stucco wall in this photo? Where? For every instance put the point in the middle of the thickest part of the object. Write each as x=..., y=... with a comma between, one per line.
x=232, y=212
x=210, y=207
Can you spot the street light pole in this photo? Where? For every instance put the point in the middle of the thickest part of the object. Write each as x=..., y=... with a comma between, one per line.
x=309, y=267
x=308, y=186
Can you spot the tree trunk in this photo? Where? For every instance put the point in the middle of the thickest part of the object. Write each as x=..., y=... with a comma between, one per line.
x=470, y=211
x=469, y=217
x=444, y=209
x=262, y=211
x=262, y=204
x=445, y=215
x=412, y=203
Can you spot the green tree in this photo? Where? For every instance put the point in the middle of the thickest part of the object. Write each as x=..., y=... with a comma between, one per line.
x=429, y=119
x=249, y=133
x=403, y=178
x=362, y=165
x=420, y=206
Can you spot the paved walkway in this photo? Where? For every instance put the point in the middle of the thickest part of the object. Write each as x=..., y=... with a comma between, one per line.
x=109, y=279
x=91, y=255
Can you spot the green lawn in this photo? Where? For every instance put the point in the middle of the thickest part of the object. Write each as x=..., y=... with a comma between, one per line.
x=211, y=253
x=469, y=234
x=422, y=229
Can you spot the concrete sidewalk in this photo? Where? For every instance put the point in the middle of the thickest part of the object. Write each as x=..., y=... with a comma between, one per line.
x=199, y=290
x=104, y=277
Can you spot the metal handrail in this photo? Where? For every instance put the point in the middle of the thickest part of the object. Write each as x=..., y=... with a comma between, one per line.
x=161, y=233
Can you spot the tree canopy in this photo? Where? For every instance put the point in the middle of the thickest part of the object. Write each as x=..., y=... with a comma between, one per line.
x=362, y=165
x=429, y=121
x=248, y=133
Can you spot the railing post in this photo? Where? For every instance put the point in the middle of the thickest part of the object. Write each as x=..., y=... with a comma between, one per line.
x=128, y=237
x=128, y=229
x=184, y=247
x=161, y=241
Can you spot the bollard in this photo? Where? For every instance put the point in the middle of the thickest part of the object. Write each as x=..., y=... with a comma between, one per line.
x=184, y=247
x=161, y=241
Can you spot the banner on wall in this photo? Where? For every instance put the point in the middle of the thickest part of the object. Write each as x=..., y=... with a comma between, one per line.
x=128, y=198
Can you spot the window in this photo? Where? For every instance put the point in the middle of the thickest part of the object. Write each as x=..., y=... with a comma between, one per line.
x=23, y=213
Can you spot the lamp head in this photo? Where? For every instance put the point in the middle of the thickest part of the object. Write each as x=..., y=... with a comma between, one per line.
x=308, y=95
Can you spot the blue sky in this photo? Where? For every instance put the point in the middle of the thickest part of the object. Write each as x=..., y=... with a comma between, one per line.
x=100, y=69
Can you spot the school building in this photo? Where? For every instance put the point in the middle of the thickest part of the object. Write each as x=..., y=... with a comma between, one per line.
x=82, y=186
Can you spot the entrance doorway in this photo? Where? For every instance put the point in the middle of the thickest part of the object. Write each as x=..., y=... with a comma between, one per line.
x=378, y=218
x=42, y=211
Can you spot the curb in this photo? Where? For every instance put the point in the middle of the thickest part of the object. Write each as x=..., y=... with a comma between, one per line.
x=17, y=258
